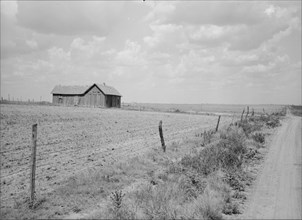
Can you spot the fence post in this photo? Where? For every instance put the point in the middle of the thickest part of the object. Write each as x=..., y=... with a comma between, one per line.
x=161, y=136
x=242, y=114
x=33, y=165
x=218, y=123
x=253, y=112
x=247, y=113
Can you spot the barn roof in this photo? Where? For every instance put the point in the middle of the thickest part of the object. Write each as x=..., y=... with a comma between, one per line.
x=69, y=90
x=79, y=90
x=108, y=90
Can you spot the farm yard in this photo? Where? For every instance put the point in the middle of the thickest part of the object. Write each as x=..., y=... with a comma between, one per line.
x=71, y=139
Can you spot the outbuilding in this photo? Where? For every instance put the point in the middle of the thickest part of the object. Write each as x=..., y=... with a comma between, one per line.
x=96, y=95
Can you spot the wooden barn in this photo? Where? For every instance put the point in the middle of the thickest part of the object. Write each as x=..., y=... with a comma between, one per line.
x=97, y=95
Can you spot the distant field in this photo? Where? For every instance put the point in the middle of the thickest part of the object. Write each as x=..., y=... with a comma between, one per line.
x=74, y=138
x=200, y=108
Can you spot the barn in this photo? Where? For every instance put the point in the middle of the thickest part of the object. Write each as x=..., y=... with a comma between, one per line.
x=96, y=95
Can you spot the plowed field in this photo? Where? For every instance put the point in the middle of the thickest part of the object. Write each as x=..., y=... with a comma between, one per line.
x=71, y=139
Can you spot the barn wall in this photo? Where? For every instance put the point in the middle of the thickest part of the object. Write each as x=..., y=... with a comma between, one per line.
x=55, y=99
x=116, y=101
x=113, y=101
x=65, y=99
x=94, y=97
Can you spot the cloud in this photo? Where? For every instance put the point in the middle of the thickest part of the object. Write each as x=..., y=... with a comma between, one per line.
x=270, y=10
x=216, y=13
x=32, y=44
x=83, y=51
x=209, y=32
x=163, y=34
x=215, y=23
x=159, y=10
x=68, y=18
x=131, y=55
x=276, y=64
x=58, y=55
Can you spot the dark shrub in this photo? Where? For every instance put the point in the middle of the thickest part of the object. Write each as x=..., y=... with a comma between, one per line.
x=234, y=180
x=231, y=208
x=259, y=137
x=273, y=122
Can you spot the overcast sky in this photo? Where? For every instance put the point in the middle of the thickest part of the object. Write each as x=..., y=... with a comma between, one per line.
x=163, y=52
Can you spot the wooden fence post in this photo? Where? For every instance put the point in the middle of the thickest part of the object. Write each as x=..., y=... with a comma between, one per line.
x=247, y=112
x=242, y=114
x=33, y=165
x=218, y=123
x=161, y=136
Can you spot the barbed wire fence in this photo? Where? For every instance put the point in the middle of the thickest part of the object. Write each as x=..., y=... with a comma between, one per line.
x=25, y=169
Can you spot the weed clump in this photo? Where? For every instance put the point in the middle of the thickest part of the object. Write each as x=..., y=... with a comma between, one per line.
x=193, y=185
x=231, y=208
x=273, y=122
x=259, y=137
x=159, y=202
x=118, y=209
x=117, y=198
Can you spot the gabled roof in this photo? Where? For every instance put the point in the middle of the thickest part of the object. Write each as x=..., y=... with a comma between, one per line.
x=108, y=90
x=80, y=90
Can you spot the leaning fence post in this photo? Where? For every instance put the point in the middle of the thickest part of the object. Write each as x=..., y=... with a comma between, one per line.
x=242, y=114
x=218, y=123
x=161, y=136
x=33, y=165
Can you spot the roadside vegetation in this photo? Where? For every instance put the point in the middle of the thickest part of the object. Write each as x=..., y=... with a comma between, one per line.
x=200, y=178
x=206, y=182
x=296, y=110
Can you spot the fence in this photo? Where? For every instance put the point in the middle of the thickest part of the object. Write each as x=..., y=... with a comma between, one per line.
x=38, y=169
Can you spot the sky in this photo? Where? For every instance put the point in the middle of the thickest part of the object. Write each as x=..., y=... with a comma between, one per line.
x=224, y=52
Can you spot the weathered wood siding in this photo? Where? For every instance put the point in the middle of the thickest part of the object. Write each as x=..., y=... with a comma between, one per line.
x=113, y=101
x=93, y=97
x=65, y=99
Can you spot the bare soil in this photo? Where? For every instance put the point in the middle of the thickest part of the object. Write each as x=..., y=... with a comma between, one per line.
x=71, y=139
x=277, y=193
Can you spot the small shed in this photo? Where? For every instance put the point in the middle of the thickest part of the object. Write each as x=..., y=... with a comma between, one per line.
x=96, y=95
